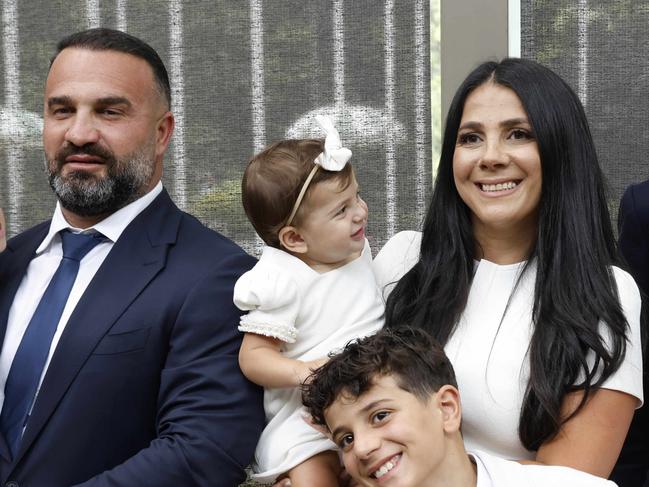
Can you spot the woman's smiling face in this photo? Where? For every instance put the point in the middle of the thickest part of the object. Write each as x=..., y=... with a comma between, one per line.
x=496, y=164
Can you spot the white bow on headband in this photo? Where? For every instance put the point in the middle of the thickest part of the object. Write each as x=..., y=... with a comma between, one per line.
x=333, y=158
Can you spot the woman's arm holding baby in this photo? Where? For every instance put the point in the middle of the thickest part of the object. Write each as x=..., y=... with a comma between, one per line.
x=591, y=441
x=261, y=361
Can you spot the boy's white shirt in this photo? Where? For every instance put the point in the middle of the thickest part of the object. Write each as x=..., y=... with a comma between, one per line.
x=497, y=472
x=483, y=477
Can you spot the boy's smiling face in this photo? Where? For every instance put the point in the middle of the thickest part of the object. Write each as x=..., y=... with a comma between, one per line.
x=390, y=437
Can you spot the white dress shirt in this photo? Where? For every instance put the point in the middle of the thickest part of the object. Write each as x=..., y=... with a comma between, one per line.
x=42, y=268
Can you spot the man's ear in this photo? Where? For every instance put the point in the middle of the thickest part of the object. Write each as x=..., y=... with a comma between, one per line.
x=291, y=240
x=447, y=401
x=164, y=129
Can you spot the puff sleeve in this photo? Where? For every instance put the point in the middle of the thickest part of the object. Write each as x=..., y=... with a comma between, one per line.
x=272, y=300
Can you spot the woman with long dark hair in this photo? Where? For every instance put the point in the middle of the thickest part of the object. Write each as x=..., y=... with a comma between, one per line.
x=514, y=274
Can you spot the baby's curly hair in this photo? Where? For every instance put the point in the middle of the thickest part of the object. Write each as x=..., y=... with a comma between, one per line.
x=273, y=180
x=415, y=359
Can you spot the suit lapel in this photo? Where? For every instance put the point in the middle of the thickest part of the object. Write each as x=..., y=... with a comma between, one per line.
x=20, y=251
x=135, y=259
x=15, y=259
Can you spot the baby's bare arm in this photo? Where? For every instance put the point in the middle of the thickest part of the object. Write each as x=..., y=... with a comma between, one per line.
x=262, y=362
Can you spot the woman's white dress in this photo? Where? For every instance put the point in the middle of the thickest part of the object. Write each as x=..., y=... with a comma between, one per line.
x=313, y=314
x=488, y=349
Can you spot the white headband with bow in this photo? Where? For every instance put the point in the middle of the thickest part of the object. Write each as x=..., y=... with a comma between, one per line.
x=334, y=158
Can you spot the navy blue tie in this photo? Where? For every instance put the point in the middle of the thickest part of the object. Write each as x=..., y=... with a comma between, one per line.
x=27, y=366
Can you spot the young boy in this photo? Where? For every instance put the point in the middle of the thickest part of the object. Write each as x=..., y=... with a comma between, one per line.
x=390, y=402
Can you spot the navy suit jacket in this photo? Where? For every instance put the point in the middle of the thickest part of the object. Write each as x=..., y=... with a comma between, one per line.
x=633, y=223
x=144, y=388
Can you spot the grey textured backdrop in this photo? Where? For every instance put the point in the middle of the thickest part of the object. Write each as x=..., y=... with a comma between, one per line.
x=244, y=73
x=600, y=48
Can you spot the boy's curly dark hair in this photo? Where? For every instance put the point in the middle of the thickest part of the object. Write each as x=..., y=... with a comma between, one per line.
x=412, y=356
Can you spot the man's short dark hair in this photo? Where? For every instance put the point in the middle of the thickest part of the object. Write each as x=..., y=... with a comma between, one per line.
x=415, y=360
x=101, y=39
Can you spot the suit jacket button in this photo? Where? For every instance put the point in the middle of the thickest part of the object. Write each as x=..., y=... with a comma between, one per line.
x=12, y=483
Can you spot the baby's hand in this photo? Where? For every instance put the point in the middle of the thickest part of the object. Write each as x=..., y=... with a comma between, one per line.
x=3, y=232
x=285, y=482
x=309, y=367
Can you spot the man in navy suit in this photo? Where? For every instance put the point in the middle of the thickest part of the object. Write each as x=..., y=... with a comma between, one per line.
x=632, y=469
x=141, y=385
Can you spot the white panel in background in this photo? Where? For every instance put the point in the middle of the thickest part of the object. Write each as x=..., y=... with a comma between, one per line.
x=120, y=11
x=257, y=74
x=177, y=80
x=339, y=54
x=11, y=114
x=258, y=87
x=514, y=28
x=390, y=145
x=93, y=14
x=582, y=51
x=422, y=155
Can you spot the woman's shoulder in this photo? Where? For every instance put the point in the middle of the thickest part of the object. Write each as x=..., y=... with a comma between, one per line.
x=397, y=257
x=401, y=240
x=628, y=377
x=626, y=285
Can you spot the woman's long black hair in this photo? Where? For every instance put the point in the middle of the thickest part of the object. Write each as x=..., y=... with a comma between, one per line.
x=575, y=246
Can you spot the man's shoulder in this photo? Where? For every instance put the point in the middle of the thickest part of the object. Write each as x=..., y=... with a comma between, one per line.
x=203, y=249
x=191, y=241
x=636, y=197
x=26, y=239
x=37, y=231
x=641, y=187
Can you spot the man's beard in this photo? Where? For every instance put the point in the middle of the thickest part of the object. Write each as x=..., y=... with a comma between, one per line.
x=86, y=194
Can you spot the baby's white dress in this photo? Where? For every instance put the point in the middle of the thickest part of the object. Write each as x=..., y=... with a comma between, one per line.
x=313, y=314
x=488, y=349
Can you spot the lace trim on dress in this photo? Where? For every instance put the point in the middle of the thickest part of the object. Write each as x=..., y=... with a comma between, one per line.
x=285, y=333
